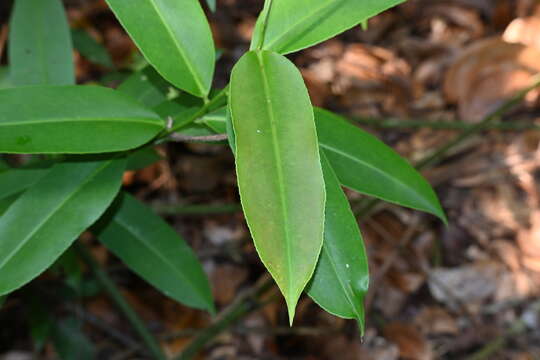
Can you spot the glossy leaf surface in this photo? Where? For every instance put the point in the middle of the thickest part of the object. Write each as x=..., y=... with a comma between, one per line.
x=341, y=278
x=15, y=181
x=298, y=24
x=151, y=248
x=40, y=225
x=174, y=37
x=40, y=50
x=278, y=168
x=73, y=119
x=365, y=164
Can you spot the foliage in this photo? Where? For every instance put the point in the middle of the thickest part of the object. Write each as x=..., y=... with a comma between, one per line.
x=291, y=159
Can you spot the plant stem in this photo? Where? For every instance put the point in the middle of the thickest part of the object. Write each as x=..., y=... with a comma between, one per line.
x=197, y=209
x=245, y=304
x=121, y=302
x=207, y=107
x=368, y=204
x=442, y=125
x=268, y=8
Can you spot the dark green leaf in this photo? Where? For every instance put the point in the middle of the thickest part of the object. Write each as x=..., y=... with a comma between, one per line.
x=47, y=218
x=15, y=181
x=73, y=119
x=40, y=50
x=70, y=342
x=365, y=164
x=141, y=158
x=341, y=278
x=278, y=167
x=151, y=248
x=4, y=77
x=175, y=38
x=298, y=24
x=89, y=48
x=146, y=86
x=2, y=301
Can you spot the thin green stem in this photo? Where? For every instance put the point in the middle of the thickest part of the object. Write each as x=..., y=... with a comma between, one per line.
x=209, y=106
x=367, y=205
x=121, y=303
x=442, y=125
x=268, y=8
x=245, y=304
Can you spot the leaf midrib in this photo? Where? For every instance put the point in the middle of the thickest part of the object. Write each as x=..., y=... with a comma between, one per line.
x=126, y=226
x=300, y=23
x=377, y=170
x=279, y=169
x=198, y=81
x=87, y=120
x=53, y=213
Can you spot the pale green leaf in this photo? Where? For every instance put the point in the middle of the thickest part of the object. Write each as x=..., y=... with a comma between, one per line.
x=296, y=25
x=278, y=167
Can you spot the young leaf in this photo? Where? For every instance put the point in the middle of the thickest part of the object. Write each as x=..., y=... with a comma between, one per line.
x=40, y=50
x=174, y=37
x=73, y=119
x=15, y=181
x=151, y=248
x=278, y=167
x=146, y=86
x=296, y=25
x=88, y=47
x=40, y=225
x=341, y=278
x=365, y=164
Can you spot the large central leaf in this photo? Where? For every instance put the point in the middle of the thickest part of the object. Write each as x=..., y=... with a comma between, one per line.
x=175, y=38
x=278, y=167
x=298, y=24
x=45, y=220
x=73, y=119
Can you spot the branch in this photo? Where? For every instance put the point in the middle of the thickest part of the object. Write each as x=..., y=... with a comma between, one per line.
x=120, y=302
x=206, y=138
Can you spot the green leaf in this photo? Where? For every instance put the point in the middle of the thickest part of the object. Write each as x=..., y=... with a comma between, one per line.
x=89, y=48
x=4, y=77
x=2, y=301
x=296, y=25
x=40, y=50
x=41, y=224
x=15, y=181
x=73, y=119
x=341, y=278
x=175, y=38
x=151, y=248
x=365, y=164
x=146, y=86
x=70, y=341
x=141, y=158
x=278, y=167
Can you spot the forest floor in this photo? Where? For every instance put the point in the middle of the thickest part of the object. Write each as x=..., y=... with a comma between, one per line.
x=420, y=76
